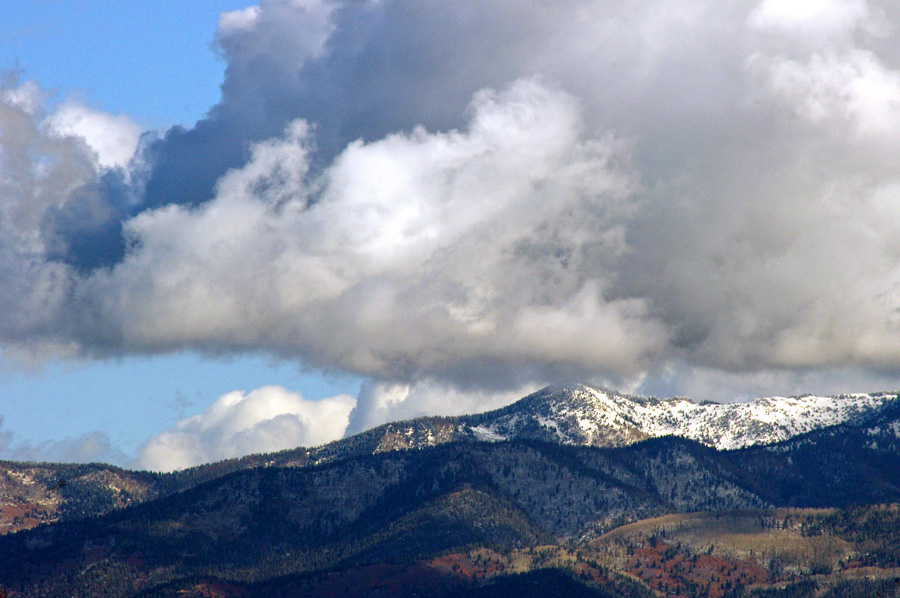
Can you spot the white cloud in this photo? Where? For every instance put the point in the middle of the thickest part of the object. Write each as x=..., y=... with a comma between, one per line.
x=242, y=19
x=832, y=79
x=847, y=93
x=820, y=19
x=112, y=137
x=293, y=30
x=38, y=171
x=264, y=420
x=408, y=256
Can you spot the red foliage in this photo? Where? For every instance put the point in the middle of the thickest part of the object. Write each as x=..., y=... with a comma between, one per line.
x=669, y=570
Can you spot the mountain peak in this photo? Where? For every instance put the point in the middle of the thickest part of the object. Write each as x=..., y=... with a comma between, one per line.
x=583, y=415
x=580, y=414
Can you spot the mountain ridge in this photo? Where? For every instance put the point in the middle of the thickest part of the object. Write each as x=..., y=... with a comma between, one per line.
x=364, y=513
x=579, y=414
x=256, y=524
x=571, y=414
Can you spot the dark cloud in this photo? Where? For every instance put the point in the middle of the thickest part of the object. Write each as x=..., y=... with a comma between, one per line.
x=86, y=230
x=357, y=70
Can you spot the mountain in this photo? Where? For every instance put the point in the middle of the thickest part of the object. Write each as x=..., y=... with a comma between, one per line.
x=576, y=414
x=462, y=517
x=37, y=493
x=582, y=415
x=405, y=518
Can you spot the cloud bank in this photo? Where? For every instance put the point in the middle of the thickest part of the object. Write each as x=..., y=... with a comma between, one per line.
x=476, y=197
x=94, y=447
x=265, y=420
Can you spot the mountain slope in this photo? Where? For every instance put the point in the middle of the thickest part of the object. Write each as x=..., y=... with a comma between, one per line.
x=393, y=507
x=31, y=494
x=36, y=493
x=257, y=525
x=856, y=462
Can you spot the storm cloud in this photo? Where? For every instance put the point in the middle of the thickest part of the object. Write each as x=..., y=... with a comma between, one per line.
x=477, y=197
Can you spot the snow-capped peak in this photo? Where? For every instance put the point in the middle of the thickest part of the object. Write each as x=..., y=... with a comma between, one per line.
x=580, y=414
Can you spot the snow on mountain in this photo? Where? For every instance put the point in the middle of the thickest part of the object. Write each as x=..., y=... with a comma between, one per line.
x=580, y=414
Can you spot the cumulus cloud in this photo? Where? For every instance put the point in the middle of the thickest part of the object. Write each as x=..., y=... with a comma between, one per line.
x=38, y=171
x=264, y=420
x=479, y=196
x=419, y=255
x=113, y=138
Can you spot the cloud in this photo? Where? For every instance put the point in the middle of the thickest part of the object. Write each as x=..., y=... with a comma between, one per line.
x=38, y=171
x=113, y=138
x=273, y=418
x=379, y=403
x=27, y=96
x=264, y=420
x=729, y=387
x=479, y=196
x=820, y=19
x=853, y=91
x=94, y=447
x=482, y=253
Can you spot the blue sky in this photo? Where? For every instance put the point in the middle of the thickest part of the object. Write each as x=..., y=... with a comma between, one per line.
x=136, y=397
x=204, y=206
x=151, y=60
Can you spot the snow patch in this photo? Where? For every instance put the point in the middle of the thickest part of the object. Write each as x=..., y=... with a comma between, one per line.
x=486, y=434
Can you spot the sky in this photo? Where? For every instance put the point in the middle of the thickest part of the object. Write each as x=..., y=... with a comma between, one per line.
x=230, y=228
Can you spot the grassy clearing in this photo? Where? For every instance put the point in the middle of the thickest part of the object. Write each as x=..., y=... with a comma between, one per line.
x=759, y=534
